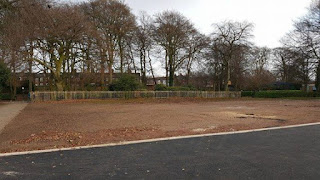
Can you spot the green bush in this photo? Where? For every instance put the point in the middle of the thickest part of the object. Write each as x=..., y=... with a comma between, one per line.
x=5, y=96
x=247, y=93
x=142, y=89
x=279, y=94
x=191, y=88
x=126, y=82
x=177, y=88
x=160, y=87
x=4, y=76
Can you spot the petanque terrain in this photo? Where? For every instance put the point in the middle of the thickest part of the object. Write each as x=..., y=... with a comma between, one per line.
x=79, y=123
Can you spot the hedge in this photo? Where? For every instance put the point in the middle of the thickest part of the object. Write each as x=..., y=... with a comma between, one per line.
x=160, y=87
x=278, y=94
x=5, y=96
x=247, y=93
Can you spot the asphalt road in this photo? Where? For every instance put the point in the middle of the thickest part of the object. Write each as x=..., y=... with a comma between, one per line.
x=277, y=154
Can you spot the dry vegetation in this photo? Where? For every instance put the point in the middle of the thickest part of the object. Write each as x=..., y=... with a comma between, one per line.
x=78, y=123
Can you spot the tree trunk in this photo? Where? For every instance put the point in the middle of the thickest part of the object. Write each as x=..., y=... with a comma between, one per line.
x=58, y=79
x=143, y=65
x=171, y=69
x=110, y=64
x=13, y=80
x=171, y=78
x=189, y=68
x=144, y=75
x=132, y=60
x=306, y=74
x=226, y=86
x=285, y=70
x=151, y=69
x=317, y=84
x=73, y=78
x=167, y=69
x=110, y=73
x=121, y=56
x=30, y=78
x=59, y=85
x=102, y=70
x=188, y=77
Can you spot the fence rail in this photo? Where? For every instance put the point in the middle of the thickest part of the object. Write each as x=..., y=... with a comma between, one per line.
x=72, y=95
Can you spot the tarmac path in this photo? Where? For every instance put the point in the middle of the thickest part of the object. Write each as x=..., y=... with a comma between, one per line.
x=8, y=111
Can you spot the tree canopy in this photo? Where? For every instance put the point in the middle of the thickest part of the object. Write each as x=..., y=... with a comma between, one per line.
x=101, y=37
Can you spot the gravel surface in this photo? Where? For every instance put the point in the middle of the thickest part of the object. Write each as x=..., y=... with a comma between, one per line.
x=79, y=123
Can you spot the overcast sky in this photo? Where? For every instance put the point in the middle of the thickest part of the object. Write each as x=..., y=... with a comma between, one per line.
x=272, y=18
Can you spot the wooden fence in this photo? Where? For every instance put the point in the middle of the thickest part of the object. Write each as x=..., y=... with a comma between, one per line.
x=70, y=95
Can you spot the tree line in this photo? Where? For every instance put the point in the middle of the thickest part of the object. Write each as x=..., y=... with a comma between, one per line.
x=104, y=36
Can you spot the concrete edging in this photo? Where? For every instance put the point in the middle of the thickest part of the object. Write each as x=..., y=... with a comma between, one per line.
x=155, y=140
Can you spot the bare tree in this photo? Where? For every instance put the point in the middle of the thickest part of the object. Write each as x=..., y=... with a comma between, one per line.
x=114, y=22
x=144, y=43
x=304, y=45
x=285, y=64
x=18, y=33
x=171, y=31
x=61, y=28
x=308, y=29
x=226, y=37
x=258, y=61
x=195, y=47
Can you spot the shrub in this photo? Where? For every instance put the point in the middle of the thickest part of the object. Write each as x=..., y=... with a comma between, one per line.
x=5, y=96
x=4, y=76
x=192, y=88
x=279, y=94
x=160, y=87
x=247, y=93
x=182, y=88
x=126, y=82
x=142, y=89
x=177, y=88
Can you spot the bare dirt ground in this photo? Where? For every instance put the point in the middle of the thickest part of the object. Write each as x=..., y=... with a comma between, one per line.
x=79, y=123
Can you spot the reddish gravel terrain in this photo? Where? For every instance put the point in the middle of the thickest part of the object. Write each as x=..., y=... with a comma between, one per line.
x=79, y=123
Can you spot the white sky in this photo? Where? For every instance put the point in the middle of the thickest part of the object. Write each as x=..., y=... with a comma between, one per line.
x=272, y=18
